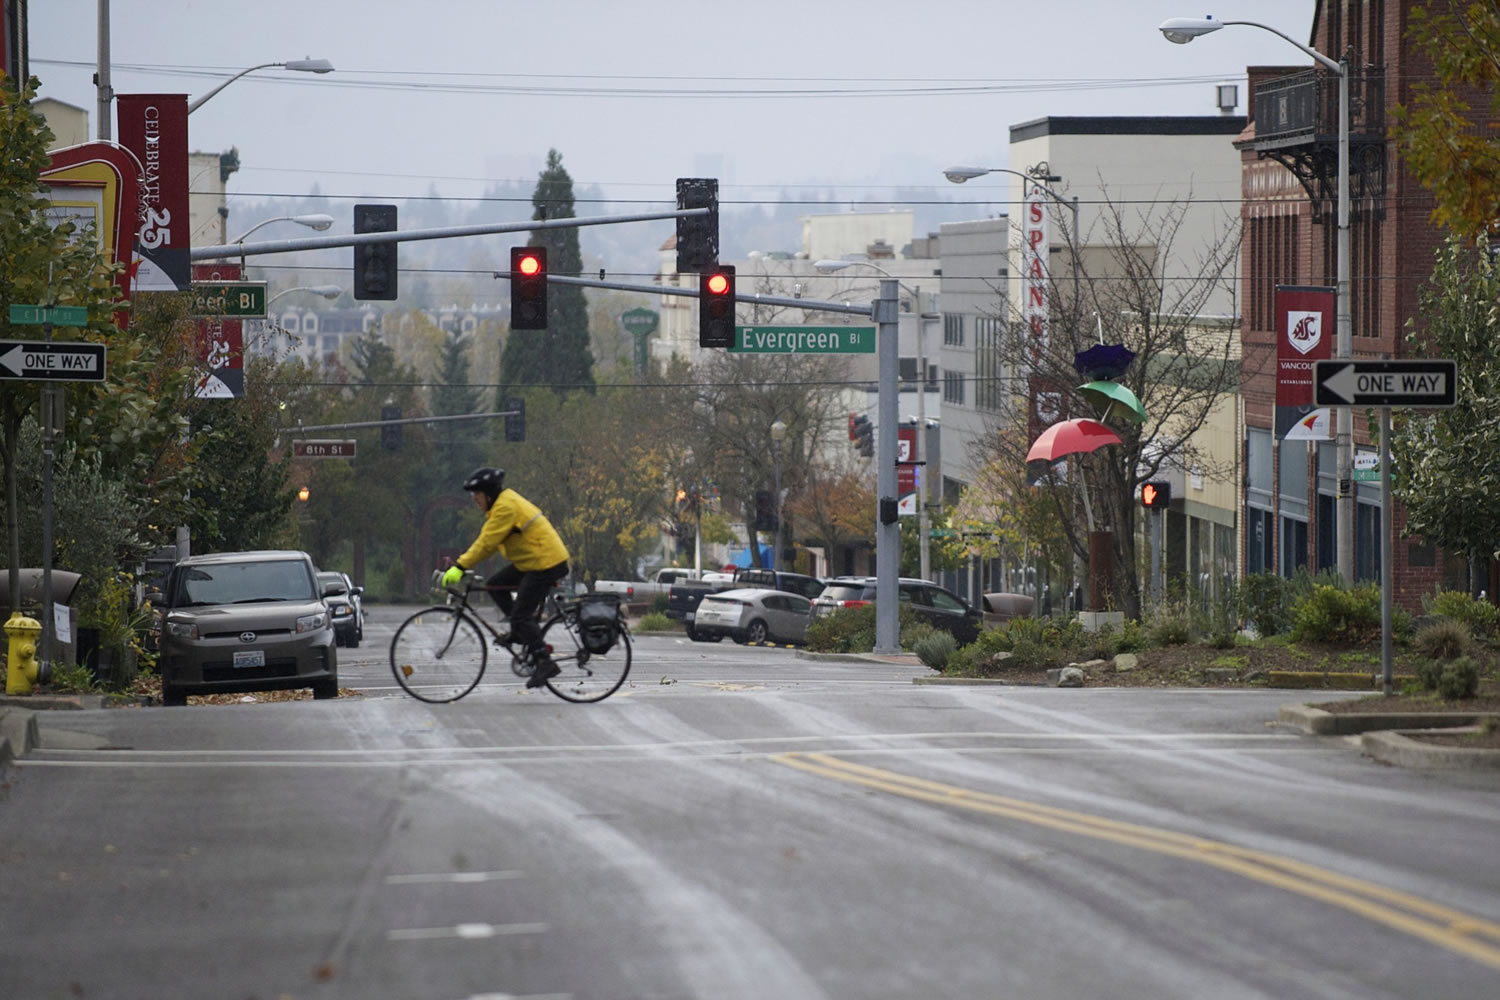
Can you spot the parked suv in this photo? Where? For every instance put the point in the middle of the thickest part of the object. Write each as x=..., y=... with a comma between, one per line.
x=773, y=579
x=937, y=606
x=346, y=605
x=246, y=621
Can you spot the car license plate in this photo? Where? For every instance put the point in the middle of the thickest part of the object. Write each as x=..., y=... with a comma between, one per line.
x=692, y=615
x=250, y=658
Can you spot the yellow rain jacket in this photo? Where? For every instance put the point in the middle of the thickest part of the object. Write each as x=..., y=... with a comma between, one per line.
x=519, y=530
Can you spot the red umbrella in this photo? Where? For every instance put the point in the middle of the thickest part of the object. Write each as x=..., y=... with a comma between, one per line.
x=1068, y=437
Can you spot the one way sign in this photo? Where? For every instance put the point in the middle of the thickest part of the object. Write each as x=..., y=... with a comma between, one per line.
x=1424, y=382
x=51, y=360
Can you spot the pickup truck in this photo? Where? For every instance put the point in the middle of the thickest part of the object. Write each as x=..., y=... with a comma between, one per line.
x=631, y=590
x=682, y=602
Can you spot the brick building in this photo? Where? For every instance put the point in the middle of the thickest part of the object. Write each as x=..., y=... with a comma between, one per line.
x=1289, y=158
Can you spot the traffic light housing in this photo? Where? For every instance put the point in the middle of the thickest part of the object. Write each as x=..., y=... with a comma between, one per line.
x=697, y=235
x=863, y=433
x=716, y=307
x=390, y=433
x=375, y=263
x=1156, y=495
x=528, y=288
x=515, y=419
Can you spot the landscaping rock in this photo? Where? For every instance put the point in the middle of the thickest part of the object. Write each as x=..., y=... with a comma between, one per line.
x=1126, y=661
x=1065, y=677
x=1219, y=675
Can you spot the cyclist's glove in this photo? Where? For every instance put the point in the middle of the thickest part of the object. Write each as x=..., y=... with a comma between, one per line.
x=452, y=575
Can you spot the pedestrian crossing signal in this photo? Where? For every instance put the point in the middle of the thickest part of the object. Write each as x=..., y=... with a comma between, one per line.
x=1156, y=494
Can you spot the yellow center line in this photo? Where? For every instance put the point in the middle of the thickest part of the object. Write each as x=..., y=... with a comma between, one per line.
x=1442, y=925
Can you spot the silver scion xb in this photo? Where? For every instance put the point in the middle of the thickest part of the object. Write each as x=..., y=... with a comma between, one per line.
x=246, y=621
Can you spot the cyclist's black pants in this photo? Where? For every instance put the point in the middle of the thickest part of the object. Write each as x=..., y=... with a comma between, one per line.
x=531, y=590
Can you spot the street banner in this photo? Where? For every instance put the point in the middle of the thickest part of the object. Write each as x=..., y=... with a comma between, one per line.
x=155, y=128
x=1304, y=334
x=1316, y=426
x=221, y=342
x=906, y=453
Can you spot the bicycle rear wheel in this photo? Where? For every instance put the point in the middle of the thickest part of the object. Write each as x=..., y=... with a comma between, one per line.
x=585, y=676
x=438, y=655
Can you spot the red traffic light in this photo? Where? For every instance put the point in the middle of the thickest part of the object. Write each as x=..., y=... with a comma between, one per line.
x=529, y=264
x=718, y=284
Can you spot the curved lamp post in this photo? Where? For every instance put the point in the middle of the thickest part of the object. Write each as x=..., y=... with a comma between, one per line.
x=778, y=435
x=299, y=65
x=1182, y=30
x=831, y=266
x=327, y=291
x=318, y=221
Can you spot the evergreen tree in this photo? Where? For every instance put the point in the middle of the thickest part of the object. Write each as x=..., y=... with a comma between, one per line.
x=560, y=355
x=459, y=448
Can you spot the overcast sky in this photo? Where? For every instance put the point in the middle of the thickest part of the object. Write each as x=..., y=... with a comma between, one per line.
x=770, y=94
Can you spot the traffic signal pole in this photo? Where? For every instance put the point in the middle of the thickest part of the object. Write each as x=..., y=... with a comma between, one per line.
x=412, y=235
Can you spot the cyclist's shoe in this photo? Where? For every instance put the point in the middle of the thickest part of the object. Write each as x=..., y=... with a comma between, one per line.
x=544, y=670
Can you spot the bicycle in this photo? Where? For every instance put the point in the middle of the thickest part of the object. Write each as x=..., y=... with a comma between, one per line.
x=439, y=654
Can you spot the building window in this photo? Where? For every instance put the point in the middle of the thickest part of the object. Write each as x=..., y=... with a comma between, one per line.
x=953, y=330
x=989, y=364
x=953, y=388
x=310, y=323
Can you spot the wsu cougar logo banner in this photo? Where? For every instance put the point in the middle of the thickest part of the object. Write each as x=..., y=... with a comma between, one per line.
x=1304, y=334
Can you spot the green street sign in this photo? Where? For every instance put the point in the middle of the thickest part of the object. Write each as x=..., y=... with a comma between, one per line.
x=56, y=315
x=639, y=321
x=784, y=339
x=229, y=298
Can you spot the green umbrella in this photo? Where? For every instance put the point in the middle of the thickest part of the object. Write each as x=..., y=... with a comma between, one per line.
x=1107, y=396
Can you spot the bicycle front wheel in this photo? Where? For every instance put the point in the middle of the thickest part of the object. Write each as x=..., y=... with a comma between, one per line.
x=438, y=655
x=585, y=676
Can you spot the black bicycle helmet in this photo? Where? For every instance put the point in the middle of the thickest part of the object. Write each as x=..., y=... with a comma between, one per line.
x=487, y=481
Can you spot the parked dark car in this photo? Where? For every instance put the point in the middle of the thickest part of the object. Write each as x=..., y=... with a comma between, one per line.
x=246, y=621
x=347, y=606
x=754, y=615
x=937, y=606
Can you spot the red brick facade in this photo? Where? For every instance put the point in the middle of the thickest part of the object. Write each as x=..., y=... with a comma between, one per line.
x=1391, y=243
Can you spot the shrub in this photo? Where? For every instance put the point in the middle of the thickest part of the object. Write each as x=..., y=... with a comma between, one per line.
x=659, y=604
x=1330, y=614
x=655, y=621
x=1132, y=638
x=1442, y=640
x=72, y=678
x=1263, y=598
x=1459, y=679
x=852, y=630
x=1481, y=618
x=1104, y=643
x=1170, y=629
x=936, y=649
x=1429, y=673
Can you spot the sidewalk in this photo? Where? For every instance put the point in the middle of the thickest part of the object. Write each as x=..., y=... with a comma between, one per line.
x=18, y=729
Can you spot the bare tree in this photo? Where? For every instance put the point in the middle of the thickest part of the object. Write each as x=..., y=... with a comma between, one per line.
x=1186, y=364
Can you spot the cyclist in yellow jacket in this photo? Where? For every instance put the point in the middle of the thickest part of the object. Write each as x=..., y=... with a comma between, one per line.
x=516, y=528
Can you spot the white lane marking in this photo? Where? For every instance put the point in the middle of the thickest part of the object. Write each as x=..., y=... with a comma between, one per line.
x=455, y=878
x=518, y=996
x=465, y=932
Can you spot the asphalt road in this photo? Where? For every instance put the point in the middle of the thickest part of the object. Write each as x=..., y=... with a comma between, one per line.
x=737, y=823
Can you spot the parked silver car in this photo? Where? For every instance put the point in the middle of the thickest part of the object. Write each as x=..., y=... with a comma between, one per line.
x=346, y=605
x=246, y=621
x=753, y=615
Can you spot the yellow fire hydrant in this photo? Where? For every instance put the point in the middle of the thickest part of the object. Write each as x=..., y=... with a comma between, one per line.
x=21, y=663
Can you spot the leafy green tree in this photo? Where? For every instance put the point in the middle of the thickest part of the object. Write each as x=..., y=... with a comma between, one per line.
x=39, y=265
x=1446, y=470
x=1448, y=143
x=559, y=356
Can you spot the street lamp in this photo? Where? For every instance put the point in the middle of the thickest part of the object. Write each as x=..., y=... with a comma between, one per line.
x=831, y=266
x=1183, y=30
x=778, y=435
x=327, y=291
x=317, y=221
x=299, y=65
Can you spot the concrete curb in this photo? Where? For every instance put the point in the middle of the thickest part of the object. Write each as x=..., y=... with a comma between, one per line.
x=1395, y=746
x=1312, y=719
x=18, y=733
x=1382, y=735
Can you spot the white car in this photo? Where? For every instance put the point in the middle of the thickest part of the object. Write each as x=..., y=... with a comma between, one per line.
x=753, y=615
